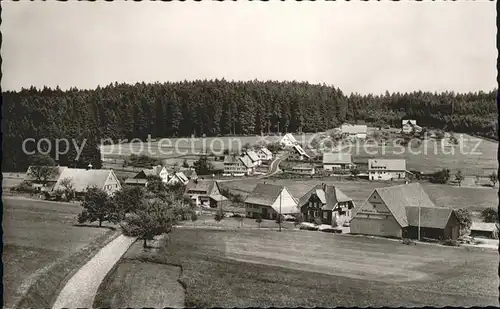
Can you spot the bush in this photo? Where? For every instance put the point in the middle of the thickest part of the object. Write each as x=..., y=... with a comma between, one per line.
x=464, y=219
x=489, y=215
x=441, y=176
x=194, y=217
x=23, y=187
x=408, y=241
x=299, y=218
x=450, y=242
x=318, y=221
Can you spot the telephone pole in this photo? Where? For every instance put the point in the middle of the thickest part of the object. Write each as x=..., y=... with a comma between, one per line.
x=419, y=199
x=279, y=218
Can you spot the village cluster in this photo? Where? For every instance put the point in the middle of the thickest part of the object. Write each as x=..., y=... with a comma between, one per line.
x=403, y=210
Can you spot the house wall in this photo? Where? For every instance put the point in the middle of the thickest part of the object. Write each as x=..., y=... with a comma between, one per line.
x=342, y=212
x=312, y=210
x=425, y=232
x=452, y=230
x=234, y=168
x=335, y=166
x=266, y=212
x=164, y=175
x=303, y=172
x=287, y=202
x=477, y=233
x=112, y=184
x=387, y=175
x=374, y=218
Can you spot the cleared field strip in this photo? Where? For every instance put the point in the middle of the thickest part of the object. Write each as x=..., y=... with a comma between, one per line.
x=80, y=290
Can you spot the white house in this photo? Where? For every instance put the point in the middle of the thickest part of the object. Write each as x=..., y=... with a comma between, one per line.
x=254, y=157
x=249, y=164
x=238, y=165
x=81, y=179
x=205, y=193
x=337, y=161
x=355, y=131
x=288, y=140
x=387, y=169
x=265, y=154
x=410, y=125
x=178, y=177
x=269, y=200
x=297, y=153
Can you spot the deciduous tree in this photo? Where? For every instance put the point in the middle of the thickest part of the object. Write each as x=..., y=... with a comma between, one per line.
x=489, y=215
x=464, y=219
x=98, y=206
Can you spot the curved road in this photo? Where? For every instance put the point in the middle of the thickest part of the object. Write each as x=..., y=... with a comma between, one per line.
x=80, y=290
x=274, y=168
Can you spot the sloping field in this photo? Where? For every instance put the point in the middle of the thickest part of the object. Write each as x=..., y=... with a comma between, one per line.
x=442, y=195
x=297, y=268
x=37, y=236
x=474, y=156
x=175, y=147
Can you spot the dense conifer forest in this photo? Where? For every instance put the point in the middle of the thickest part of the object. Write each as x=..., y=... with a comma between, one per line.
x=219, y=107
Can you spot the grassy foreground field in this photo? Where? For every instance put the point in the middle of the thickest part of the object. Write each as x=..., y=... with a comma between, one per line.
x=475, y=199
x=261, y=268
x=42, y=247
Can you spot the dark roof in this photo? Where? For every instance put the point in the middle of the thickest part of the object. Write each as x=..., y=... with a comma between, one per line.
x=133, y=181
x=266, y=151
x=232, y=159
x=330, y=194
x=264, y=194
x=431, y=217
x=200, y=185
x=205, y=188
x=247, y=161
x=189, y=172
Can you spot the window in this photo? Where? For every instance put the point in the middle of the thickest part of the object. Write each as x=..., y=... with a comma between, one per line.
x=325, y=215
x=374, y=206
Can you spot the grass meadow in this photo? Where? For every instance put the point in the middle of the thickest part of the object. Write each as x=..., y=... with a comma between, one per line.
x=264, y=268
x=478, y=157
x=42, y=248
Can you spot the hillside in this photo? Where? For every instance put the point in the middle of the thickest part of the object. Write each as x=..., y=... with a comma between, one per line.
x=219, y=107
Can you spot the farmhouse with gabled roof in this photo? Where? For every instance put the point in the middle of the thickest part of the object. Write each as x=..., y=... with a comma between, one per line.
x=398, y=211
x=267, y=200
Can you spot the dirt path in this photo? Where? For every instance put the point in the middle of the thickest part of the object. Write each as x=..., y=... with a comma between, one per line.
x=80, y=290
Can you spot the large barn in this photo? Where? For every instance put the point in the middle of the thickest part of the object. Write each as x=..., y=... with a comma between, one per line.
x=398, y=211
x=269, y=200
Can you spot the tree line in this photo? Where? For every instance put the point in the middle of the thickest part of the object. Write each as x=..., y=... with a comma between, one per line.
x=219, y=107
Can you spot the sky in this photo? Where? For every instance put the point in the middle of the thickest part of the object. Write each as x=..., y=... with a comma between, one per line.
x=363, y=47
